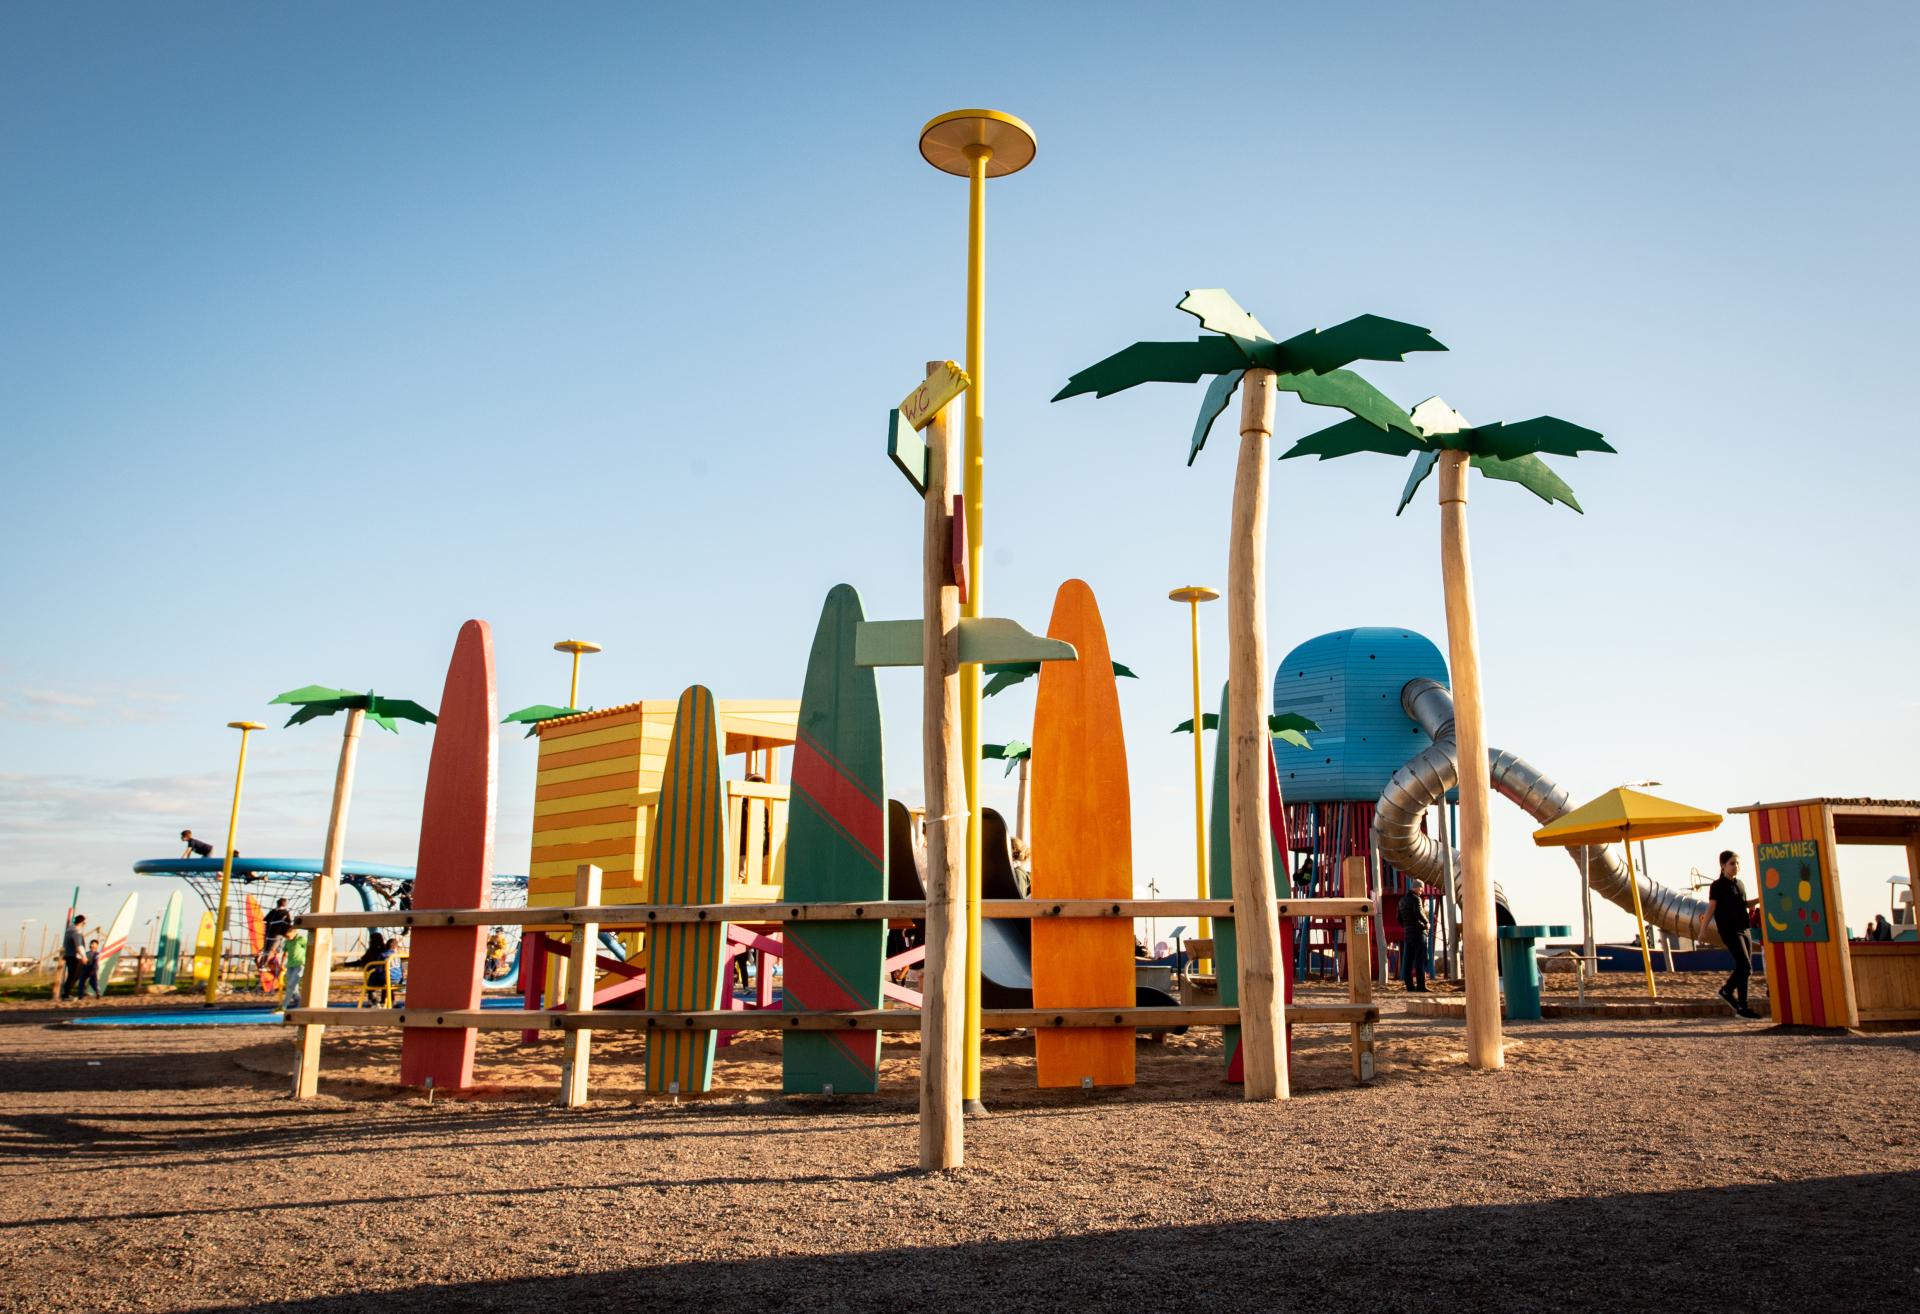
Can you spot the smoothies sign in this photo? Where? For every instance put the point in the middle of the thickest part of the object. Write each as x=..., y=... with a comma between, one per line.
x=1792, y=896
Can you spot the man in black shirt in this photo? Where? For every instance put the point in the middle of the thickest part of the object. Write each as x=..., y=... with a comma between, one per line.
x=196, y=848
x=1730, y=911
x=278, y=926
x=1413, y=942
x=73, y=956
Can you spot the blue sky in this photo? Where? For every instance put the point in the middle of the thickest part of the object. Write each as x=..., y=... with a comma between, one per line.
x=326, y=327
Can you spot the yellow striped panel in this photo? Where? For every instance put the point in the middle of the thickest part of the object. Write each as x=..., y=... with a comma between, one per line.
x=613, y=734
x=629, y=766
x=583, y=834
x=583, y=802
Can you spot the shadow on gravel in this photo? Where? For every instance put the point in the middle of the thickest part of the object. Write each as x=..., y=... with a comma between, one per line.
x=1829, y=1243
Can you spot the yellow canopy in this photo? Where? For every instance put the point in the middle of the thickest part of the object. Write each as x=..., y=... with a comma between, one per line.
x=1622, y=814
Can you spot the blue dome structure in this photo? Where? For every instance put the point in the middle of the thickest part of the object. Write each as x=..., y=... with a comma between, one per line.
x=1349, y=682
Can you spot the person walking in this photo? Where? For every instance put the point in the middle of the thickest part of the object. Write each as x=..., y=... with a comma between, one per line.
x=296, y=969
x=1731, y=913
x=278, y=926
x=91, y=981
x=73, y=956
x=1413, y=937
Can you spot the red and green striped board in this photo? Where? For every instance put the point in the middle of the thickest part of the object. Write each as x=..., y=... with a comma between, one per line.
x=1808, y=970
x=688, y=865
x=1226, y=945
x=114, y=942
x=454, y=868
x=1082, y=849
x=836, y=851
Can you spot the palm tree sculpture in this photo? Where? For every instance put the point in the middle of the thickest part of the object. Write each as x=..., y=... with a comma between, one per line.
x=313, y=702
x=1511, y=452
x=1287, y=727
x=1308, y=365
x=535, y=713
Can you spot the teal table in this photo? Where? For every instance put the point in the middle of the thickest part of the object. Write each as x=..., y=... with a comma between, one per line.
x=1520, y=968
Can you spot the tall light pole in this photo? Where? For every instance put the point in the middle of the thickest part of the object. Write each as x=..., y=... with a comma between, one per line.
x=975, y=144
x=246, y=729
x=1193, y=595
x=577, y=647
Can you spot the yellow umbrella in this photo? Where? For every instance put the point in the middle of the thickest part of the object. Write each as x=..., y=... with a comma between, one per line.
x=1623, y=815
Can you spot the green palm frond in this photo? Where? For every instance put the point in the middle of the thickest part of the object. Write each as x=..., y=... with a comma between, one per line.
x=1002, y=676
x=1219, y=313
x=1532, y=474
x=1355, y=435
x=1155, y=362
x=1364, y=337
x=1290, y=727
x=317, y=700
x=1219, y=393
x=1553, y=437
x=1013, y=752
x=1349, y=392
x=534, y=713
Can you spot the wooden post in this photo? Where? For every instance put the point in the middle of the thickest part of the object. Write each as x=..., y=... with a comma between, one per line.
x=943, y=1042
x=318, y=982
x=580, y=979
x=1479, y=962
x=1255, y=906
x=1359, y=968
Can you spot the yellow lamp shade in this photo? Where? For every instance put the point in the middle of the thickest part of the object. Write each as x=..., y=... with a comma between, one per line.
x=1622, y=814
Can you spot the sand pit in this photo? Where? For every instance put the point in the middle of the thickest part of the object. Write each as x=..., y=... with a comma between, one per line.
x=1610, y=1163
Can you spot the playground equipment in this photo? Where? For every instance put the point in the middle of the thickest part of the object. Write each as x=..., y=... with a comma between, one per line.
x=1442, y=436
x=688, y=910
x=1626, y=815
x=1309, y=365
x=246, y=729
x=1193, y=595
x=1815, y=975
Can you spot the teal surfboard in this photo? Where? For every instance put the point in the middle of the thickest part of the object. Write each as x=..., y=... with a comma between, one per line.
x=836, y=852
x=166, y=954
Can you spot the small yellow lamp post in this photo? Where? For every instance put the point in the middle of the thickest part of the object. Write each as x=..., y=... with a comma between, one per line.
x=577, y=647
x=246, y=728
x=975, y=144
x=1193, y=595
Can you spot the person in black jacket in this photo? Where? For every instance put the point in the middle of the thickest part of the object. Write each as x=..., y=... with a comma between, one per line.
x=1731, y=913
x=278, y=926
x=1413, y=931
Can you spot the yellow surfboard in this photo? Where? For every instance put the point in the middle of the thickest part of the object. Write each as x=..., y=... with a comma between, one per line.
x=204, y=948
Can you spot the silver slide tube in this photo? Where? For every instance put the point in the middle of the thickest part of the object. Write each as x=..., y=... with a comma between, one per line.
x=1429, y=774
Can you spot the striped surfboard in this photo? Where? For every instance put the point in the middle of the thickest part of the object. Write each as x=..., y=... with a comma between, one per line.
x=688, y=865
x=205, y=946
x=836, y=851
x=114, y=942
x=1082, y=849
x=455, y=865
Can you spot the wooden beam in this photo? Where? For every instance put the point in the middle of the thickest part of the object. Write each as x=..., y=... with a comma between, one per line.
x=880, y=1019
x=619, y=916
x=575, y=1050
x=943, y=1043
x=1479, y=965
x=317, y=984
x=1250, y=750
x=1353, y=875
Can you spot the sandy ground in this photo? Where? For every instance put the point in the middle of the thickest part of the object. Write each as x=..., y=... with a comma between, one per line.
x=1689, y=1165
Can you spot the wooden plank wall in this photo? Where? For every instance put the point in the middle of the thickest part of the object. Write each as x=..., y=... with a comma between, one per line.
x=1809, y=983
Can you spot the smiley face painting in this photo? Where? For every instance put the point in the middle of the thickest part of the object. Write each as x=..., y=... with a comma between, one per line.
x=1793, y=898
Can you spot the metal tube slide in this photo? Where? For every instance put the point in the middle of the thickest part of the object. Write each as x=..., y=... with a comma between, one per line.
x=1426, y=778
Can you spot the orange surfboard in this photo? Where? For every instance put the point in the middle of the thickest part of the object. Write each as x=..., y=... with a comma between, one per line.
x=1082, y=849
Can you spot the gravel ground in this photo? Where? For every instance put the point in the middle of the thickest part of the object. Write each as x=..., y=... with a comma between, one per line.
x=1676, y=1165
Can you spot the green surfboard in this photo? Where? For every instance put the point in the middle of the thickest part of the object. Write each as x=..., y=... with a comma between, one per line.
x=166, y=953
x=836, y=852
x=689, y=865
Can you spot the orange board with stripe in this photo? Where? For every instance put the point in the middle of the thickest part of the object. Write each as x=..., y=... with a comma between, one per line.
x=688, y=865
x=1082, y=849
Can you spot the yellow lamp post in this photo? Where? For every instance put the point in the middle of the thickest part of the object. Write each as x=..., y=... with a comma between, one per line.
x=975, y=144
x=1193, y=595
x=577, y=647
x=246, y=728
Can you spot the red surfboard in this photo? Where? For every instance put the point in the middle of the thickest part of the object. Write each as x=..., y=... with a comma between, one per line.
x=455, y=865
